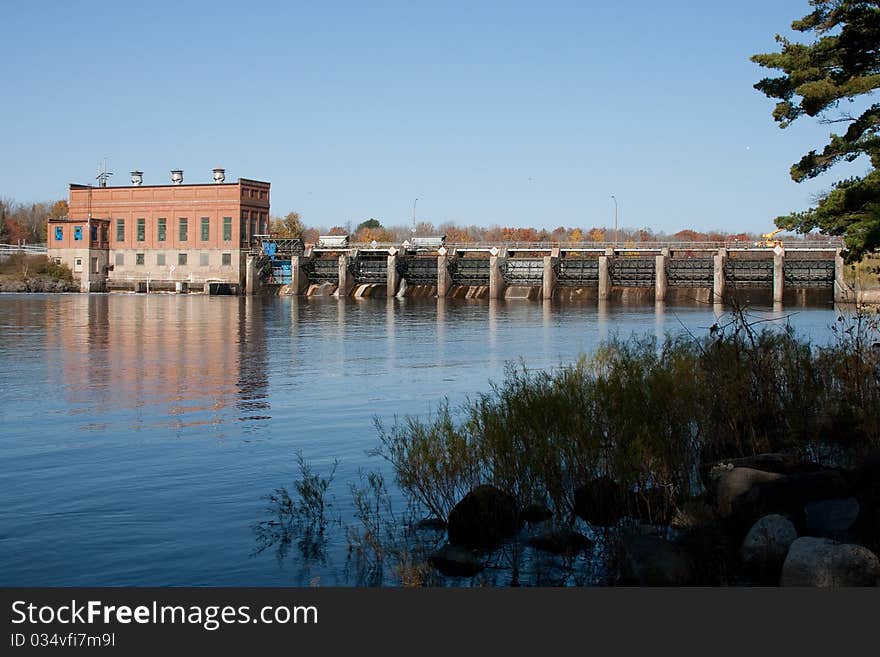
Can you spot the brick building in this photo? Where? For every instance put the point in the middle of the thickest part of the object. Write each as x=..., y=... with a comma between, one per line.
x=161, y=237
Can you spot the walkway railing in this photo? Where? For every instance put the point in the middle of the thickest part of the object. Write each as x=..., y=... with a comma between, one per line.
x=30, y=249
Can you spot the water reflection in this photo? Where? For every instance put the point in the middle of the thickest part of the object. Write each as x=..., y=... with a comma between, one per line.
x=171, y=361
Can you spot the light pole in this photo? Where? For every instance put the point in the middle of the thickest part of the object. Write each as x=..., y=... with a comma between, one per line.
x=413, y=229
x=615, y=219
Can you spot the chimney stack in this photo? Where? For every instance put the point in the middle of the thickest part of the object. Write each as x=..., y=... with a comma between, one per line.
x=219, y=175
x=176, y=177
x=137, y=178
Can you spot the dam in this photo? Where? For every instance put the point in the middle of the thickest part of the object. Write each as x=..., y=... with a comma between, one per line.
x=428, y=267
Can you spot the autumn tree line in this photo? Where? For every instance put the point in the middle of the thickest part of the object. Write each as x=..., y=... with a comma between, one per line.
x=292, y=225
x=26, y=223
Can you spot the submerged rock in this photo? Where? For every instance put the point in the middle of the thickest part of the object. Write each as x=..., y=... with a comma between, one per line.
x=483, y=518
x=455, y=561
x=766, y=545
x=824, y=562
x=561, y=541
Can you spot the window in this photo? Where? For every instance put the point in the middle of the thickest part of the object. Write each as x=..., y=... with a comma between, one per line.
x=78, y=233
x=93, y=233
x=77, y=264
x=242, y=234
x=59, y=233
x=95, y=269
x=263, y=194
x=120, y=259
x=161, y=235
x=120, y=230
x=206, y=228
x=160, y=259
x=227, y=229
x=181, y=258
x=139, y=258
x=141, y=230
x=105, y=229
x=183, y=229
x=226, y=259
x=203, y=259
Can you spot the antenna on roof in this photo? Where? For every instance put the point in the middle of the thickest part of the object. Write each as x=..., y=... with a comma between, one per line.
x=103, y=175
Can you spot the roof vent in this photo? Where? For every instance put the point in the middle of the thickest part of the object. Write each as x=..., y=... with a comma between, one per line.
x=219, y=175
x=137, y=178
x=176, y=177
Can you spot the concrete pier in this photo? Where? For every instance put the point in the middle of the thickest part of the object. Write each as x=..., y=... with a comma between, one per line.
x=299, y=280
x=718, y=276
x=444, y=278
x=345, y=278
x=250, y=281
x=496, y=280
x=549, y=280
x=778, y=274
x=660, y=277
x=393, y=278
x=604, y=278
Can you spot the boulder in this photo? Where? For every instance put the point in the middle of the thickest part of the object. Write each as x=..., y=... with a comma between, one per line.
x=766, y=545
x=776, y=463
x=483, y=518
x=561, y=541
x=790, y=494
x=601, y=501
x=735, y=483
x=652, y=561
x=536, y=513
x=832, y=518
x=825, y=563
x=455, y=561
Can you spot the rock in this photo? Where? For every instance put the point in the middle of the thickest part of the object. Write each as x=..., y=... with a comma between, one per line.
x=455, y=561
x=561, y=541
x=483, y=518
x=776, y=463
x=832, y=518
x=431, y=524
x=790, y=494
x=735, y=483
x=652, y=561
x=824, y=562
x=765, y=546
x=536, y=513
x=600, y=502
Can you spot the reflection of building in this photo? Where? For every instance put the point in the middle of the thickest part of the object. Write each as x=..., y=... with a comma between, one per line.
x=161, y=236
x=123, y=360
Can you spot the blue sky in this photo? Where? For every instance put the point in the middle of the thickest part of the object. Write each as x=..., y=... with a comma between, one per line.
x=490, y=113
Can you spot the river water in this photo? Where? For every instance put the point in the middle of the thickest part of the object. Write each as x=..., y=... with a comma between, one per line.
x=140, y=435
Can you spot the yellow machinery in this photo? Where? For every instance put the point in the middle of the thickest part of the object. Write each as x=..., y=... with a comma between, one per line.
x=768, y=241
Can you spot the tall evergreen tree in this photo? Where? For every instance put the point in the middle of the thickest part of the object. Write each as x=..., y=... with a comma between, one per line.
x=841, y=64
